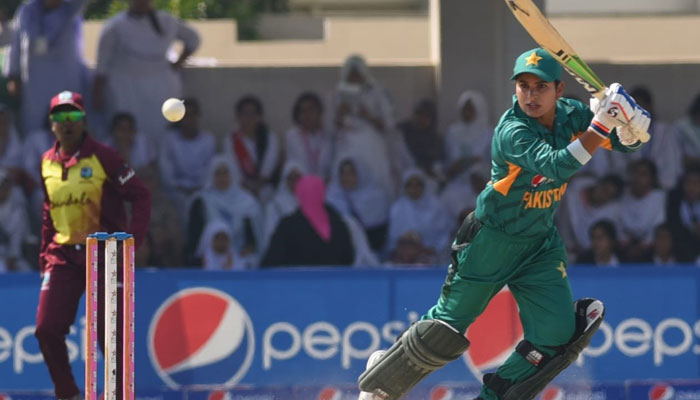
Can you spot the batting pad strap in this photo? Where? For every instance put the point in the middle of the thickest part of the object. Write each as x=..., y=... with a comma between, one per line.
x=532, y=354
x=579, y=152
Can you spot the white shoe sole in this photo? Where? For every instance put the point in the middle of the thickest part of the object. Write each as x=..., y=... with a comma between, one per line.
x=372, y=360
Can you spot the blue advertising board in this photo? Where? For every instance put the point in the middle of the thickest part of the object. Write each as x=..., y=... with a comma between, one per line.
x=297, y=328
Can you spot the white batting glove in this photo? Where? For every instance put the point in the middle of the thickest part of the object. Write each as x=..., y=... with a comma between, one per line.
x=630, y=134
x=614, y=110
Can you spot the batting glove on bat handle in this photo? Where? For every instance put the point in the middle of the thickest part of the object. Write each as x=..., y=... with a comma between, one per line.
x=637, y=129
x=614, y=110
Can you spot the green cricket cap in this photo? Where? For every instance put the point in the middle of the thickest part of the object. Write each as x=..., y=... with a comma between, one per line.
x=538, y=62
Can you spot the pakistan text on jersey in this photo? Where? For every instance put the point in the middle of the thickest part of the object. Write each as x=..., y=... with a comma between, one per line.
x=71, y=201
x=543, y=198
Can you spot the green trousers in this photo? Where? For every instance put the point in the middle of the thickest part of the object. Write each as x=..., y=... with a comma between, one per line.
x=534, y=270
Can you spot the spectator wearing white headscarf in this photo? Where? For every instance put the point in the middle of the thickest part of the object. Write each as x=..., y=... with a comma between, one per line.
x=468, y=139
x=353, y=193
x=224, y=199
x=363, y=117
x=419, y=210
x=284, y=201
x=216, y=248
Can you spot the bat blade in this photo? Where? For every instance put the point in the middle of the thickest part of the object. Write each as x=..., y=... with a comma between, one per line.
x=544, y=33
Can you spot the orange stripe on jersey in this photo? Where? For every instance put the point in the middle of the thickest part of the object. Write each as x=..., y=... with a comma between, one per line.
x=503, y=185
x=606, y=144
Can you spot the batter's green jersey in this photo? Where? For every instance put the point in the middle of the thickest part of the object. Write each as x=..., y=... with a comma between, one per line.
x=530, y=168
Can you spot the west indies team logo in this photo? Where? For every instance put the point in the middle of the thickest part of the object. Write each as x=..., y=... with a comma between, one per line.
x=203, y=336
x=661, y=392
x=494, y=334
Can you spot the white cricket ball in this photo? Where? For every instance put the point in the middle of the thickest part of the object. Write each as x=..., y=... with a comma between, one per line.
x=173, y=109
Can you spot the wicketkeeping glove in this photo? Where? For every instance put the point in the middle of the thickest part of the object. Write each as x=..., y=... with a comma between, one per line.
x=614, y=110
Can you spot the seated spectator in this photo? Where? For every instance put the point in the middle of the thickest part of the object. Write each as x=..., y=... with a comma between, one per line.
x=468, y=139
x=664, y=252
x=131, y=145
x=216, y=248
x=459, y=195
x=166, y=235
x=642, y=208
x=308, y=142
x=410, y=250
x=364, y=120
x=14, y=227
x=284, y=201
x=353, y=194
x=315, y=234
x=423, y=140
x=683, y=215
x=663, y=148
x=688, y=132
x=254, y=149
x=603, y=250
x=418, y=210
x=223, y=199
x=587, y=201
x=185, y=155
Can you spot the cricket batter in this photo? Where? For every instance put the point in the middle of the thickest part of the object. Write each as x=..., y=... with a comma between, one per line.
x=510, y=239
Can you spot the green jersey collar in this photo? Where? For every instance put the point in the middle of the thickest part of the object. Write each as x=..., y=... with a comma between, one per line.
x=564, y=109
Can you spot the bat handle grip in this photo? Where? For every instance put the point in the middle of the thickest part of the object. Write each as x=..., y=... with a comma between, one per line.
x=644, y=137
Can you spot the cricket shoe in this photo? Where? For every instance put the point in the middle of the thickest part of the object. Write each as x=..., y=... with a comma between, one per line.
x=373, y=359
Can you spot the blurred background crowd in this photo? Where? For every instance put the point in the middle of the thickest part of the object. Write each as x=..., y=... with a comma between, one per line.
x=396, y=186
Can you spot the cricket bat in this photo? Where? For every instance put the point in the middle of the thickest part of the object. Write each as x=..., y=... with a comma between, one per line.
x=542, y=31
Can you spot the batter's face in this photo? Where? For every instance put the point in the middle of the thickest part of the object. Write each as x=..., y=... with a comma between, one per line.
x=537, y=97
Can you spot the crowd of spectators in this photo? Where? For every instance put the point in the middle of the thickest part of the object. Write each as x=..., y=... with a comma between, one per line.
x=346, y=184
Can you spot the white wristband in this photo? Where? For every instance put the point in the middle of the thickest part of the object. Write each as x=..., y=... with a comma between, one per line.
x=579, y=152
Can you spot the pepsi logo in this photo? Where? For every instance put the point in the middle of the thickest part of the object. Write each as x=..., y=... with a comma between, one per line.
x=330, y=393
x=5, y=397
x=441, y=393
x=552, y=393
x=661, y=392
x=494, y=334
x=538, y=180
x=219, y=395
x=201, y=335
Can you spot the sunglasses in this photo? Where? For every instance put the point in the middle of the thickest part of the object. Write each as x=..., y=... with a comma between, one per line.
x=72, y=116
